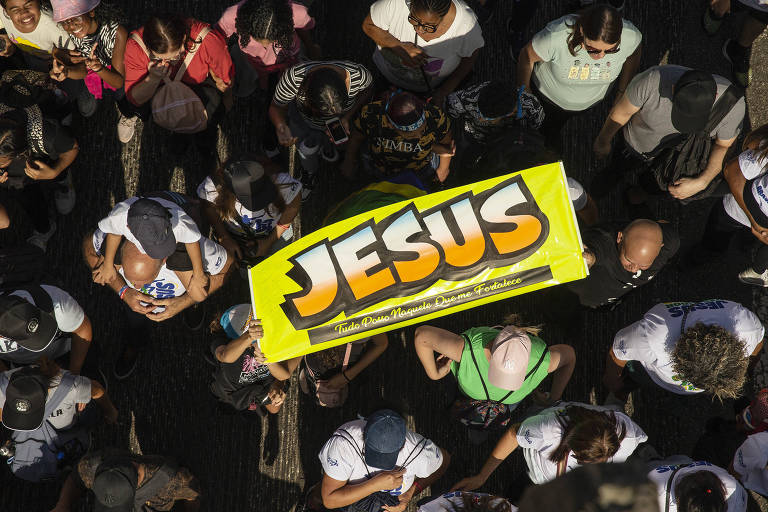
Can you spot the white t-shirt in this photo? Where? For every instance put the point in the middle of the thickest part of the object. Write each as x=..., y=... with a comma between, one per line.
x=576, y=82
x=342, y=461
x=540, y=435
x=751, y=166
x=750, y=462
x=454, y=501
x=40, y=41
x=652, y=339
x=759, y=5
x=69, y=317
x=735, y=495
x=261, y=222
x=184, y=228
x=64, y=415
x=462, y=38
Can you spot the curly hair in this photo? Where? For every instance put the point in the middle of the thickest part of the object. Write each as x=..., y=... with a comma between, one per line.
x=439, y=7
x=107, y=12
x=599, y=23
x=265, y=19
x=711, y=358
x=497, y=99
x=701, y=491
x=592, y=436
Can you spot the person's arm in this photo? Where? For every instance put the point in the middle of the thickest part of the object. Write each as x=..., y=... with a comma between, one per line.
x=528, y=57
x=215, y=220
x=686, y=187
x=115, y=77
x=142, y=91
x=503, y=449
x=67, y=63
x=562, y=361
x=199, y=280
x=283, y=223
x=278, y=114
x=70, y=493
x=284, y=369
x=379, y=345
x=338, y=493
x=5, y=220
x=231, y=352
x=628, y=71
x=81, y=342
x=736, y=181
x=445, y=151
x=349, y=166
x=100, y=396
x=43, y=171
x=614, y=368
x=106, y=272
x=430, y=340
x=620, y=115
x=410, y=54
x=453, y=80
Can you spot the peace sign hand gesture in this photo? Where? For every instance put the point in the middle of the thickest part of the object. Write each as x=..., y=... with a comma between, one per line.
x=92, y=62
x=58, y=70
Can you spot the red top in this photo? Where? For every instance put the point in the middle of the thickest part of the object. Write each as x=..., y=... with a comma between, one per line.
x=211, y=55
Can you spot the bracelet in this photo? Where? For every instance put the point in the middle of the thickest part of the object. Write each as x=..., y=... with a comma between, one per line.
x=284, y=226
x=345, y=376
x=122, y=291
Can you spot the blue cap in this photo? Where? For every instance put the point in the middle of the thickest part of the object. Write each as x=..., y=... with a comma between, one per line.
x=384, y=438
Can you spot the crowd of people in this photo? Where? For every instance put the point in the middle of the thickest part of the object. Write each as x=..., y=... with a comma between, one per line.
x=421, y=116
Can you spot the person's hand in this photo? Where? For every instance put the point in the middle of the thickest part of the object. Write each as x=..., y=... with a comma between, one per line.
x=541, y=398
x=255, y=330
x=602, y=148
x=232, y=247
x=389, y=479
x=70, y=56
x=221, y=85
x=10, y=48
x=103, y=274
x=134, y=298
x=80, y=406
x=276, y=394
x=172, y=308
x=760, y=233
x=686, y=187
x=442, y=173
x=404, y=499
x=284, y=135
x=199, y=283
x=443, y=365
x=411, y=55
x=589, y=256
x=3, y=176
x=38, y=170
x=92, y=62
x=58, y=70
x=468, y=484
x=158, y=69
x=337, y=381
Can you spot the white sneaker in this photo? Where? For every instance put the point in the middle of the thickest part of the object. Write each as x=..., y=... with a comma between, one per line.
x=749, y=276
x=41, y=239
x=126, y=127
x=64, y=196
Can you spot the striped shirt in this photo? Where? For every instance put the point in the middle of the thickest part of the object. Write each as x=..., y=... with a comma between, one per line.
x=104, y=36
x=288, y=87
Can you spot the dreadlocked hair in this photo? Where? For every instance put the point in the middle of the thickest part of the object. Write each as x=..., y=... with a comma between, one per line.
x=323, y=90
x=514, y=319
x=759, y=138
x=592, y=436
x=13, y=134
x=599, y=23
x=701, y=491
x=439, y=7
x=471, y=502
x=265, y=19
x=711, y=358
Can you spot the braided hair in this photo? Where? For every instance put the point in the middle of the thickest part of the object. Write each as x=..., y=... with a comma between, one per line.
x=439, y=7
x=324, y=91
x=265, y=19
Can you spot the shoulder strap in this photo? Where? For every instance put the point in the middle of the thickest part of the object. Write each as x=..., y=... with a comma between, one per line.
x=140, y=42
x=158, y=481
x=411, y=457
x=191, y=54
x=348, y=438
x=477, y=367
x=538, y=363
x=669, y=485
x=346, y=357
x=722, y=106
x=65, y=385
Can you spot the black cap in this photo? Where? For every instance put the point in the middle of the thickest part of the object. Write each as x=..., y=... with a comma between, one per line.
x=27, y=325
x=692, y=101
x=251, y=185
x=25, y=397
x=384, y=436
x=150, y=223
x=114, y=485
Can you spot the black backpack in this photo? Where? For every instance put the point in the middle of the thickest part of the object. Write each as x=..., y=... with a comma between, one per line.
x=686, y=156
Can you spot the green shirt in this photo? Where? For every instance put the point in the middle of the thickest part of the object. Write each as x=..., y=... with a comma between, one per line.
x=470, y=382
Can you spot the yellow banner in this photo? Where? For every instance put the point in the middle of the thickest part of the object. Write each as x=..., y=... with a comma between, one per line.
x=419, y=259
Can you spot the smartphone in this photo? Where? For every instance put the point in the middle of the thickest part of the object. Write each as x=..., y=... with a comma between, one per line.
x=336, y=130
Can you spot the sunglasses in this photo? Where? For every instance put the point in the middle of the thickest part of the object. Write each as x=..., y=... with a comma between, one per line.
x=429, y=28
x=594, y=51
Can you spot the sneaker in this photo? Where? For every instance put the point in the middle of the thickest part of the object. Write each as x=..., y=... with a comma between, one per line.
x=749, y=276
x=329, y=153
x=194, y=316
x=710, y=23
x=126, y=362
x=41, y=239
x=87, y=104
x=738, y=56
x=126, y=127
x=64, y=196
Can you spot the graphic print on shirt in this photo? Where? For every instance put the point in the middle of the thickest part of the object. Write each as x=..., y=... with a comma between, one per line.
x=159, y=289
x=252, y=371
x=8, y=345
x=258, y=224
x=677, y=309
x=587, y=71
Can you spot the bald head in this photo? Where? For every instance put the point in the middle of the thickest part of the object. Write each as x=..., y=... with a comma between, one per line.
x=138, y=268
x=639, y=244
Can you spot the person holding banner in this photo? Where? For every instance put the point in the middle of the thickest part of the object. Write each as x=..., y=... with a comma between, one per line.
x=495, y=369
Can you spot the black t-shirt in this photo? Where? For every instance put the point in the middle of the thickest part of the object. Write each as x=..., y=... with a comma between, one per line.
x=608, y=280
x=245, y=371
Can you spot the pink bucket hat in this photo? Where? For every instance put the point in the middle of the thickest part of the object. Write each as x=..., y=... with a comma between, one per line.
x=65, y=9
x=510, y=352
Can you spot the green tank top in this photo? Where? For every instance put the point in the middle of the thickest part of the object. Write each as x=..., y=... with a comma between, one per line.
x=471, y=382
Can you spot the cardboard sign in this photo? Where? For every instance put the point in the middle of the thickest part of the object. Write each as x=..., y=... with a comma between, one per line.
x=419, y=259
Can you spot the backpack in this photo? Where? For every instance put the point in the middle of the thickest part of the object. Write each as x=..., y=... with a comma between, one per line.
x=325, y=396
x=175, y=106
x=686, y=156
x=44, y=453
x=21, y=265
x=22, y=88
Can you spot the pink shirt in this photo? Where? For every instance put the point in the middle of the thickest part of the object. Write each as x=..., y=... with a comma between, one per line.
x=265, y=58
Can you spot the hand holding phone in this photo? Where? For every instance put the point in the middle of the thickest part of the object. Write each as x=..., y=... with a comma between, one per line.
x=336, y=131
